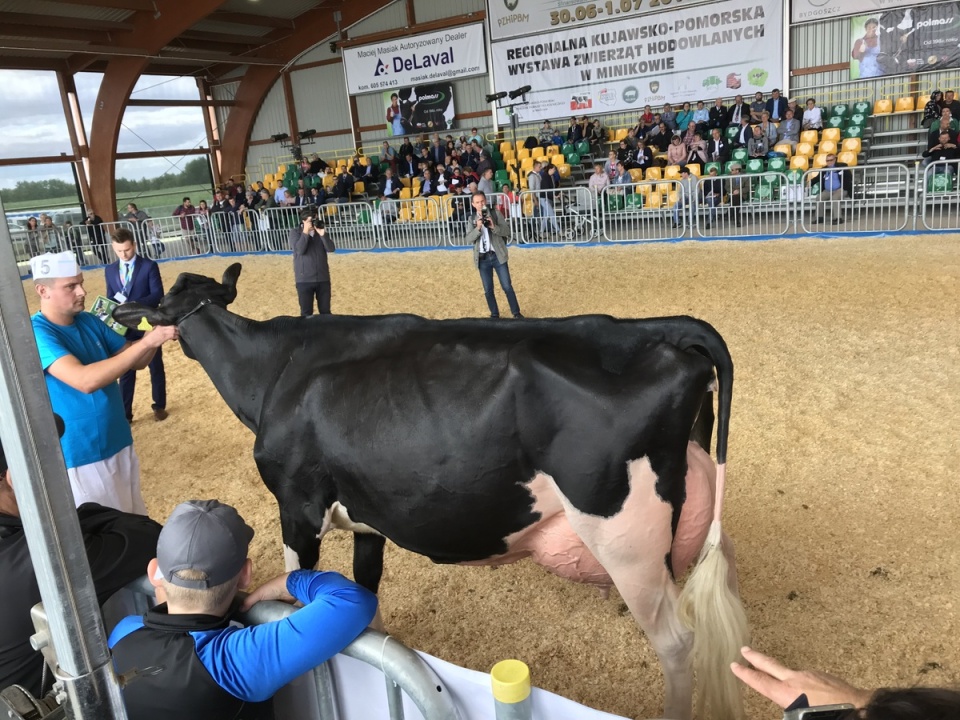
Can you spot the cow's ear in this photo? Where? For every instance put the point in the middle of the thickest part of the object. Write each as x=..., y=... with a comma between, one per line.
x=230, y=276
x=131, y=315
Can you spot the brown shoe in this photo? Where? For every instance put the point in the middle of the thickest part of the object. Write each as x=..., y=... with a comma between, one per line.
x=159, y=414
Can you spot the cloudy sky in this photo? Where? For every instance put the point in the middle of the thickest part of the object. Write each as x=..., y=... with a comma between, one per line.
x=32, y=123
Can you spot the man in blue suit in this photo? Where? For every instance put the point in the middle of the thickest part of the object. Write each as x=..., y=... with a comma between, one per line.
x=137, y=279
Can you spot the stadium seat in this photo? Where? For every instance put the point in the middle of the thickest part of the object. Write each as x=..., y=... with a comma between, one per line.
x=672, y=198
x=671, y=172
x=883, y=107
x=847, y=158
x=582, y=148
x=853, y=131
x=406, y=193
x=329, y=180
x=820, y=160
x=835, y=121
x=784, y=148
x=281, y=169
x=827, y=146
x=922, y=102
x=552, y=150
x=636, y=175
x=614, y=203
x=851, y=145
x=564, y=170
x=664, y=188
x=857, y=119
x=840, y=110
x=862, y=107
x=776, y=165
x=501, y=178
x=526, y=165
x=809, y=136
x=574, y=159
x=805, y=149
x=830, y=134
x=522, y=154
x=505, y=147
x=755, y=165
x=795, y=175
x=634, y=201
x=904, y=104
x=359, y=188
x=739, y=154
x=694, y=169
x=405, y=181
x=799, y=162
x=940, y=183
x=538, y=155
x=654, y=200
x=374, y=160
x=653, y=173
x=732, y=132
x=621, y=134
x=710, y=165
x=644, y=188
x=567, y=148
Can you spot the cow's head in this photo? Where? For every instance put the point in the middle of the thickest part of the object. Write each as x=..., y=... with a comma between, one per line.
x=189, y=293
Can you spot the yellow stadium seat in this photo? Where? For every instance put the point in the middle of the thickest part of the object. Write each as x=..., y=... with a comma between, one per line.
x=805, y=149
x=922, y=102
x=281, y=169
x=827, y=146
x=820, y=160
x=621, y=134
x=636, y=174
x=694, y=169
x=538, y=155
x=664, y=188
x=809, y=136
x=404, y=215
x=359, y=188
x=851, y=145
x=523, y=182
x=847, y=158
x=406, y=193
x=672, y=198
x=405, y=181
x=417, y=182
x=433, y=211
x=528, y=205
x=653, y=200
x=526, y=165
x=830, y=134
x=509, y=157
x=506, y=147
x=644, y=189
x=653, y=173
x=329, y=180
x=558, y=159
x=784, y=148
x=799, y=162
x=904, y=104
x=329, y=210
x=564, y=170
x=364, y=160
x=522, y=154
x=552, y=150
x=268, y=178
x=671, y=172
x=883, y=107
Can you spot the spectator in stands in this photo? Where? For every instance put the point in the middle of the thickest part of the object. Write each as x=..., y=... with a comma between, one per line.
x=574, y=131
x=797, y=111
x=944, y=126
x=644, y=157
x=669, y=118
x=685, y=117
x=776, y=106
x=661, y=138
x=287, y=198
x=738, y=110
x=546, y=198
x=711, y=189
x=277, y=195
x=509, y=203
x=701, y=116
x=484, y=163
x=318, y=196
x=209, y=662
x=717, y=115
x=117, y=545
x=950, y=101
x=758, y=146
x=648, y=121
x=677, y=152
x=866, y=49
x=718, y=149
x=358, y=169
x=757, y=107
x=931, y=111
x=406, y=148
x=475, y=137
x=317, y=166
x=597, y=135
x=599, y=180
x=610, y=166
x=744, y=134
x=697, y=154
x=632, y=139
x=768, y=129
x=687, y=195
x=301, y=199
x=626, y=155
x=34, y=244
x=622, y=180
x=266, y=201
x=486, y=185
x=944, y=150
x=812, y=116
x=946, y=114
x=836, y=184
x=801, y=689
x=389, y=186
x=388, y=155
x=689, y=134
x=343, y=187
x=738, y=191
x=546, y=135
x=789, y=131
x=186, y=212
x=410, y=167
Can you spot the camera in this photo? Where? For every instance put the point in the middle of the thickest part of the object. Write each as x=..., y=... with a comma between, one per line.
x=485, y=216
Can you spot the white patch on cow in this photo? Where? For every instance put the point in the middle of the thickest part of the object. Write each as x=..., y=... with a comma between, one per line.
x=340, y=519
x=291, y=560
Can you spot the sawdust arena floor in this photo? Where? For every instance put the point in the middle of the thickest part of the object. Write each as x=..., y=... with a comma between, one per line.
x=842, y=490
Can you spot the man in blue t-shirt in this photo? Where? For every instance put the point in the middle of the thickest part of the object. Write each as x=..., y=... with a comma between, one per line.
x=82, y=359
x=207, y=667
x=836, y=185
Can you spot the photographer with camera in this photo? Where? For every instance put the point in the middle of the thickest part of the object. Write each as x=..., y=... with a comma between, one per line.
x=489, y=236
x=311, y=273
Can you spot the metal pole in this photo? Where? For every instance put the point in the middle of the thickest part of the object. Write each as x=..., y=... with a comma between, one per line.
x=46, y=506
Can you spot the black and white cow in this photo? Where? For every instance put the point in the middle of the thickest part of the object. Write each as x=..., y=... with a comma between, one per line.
x=579, y=442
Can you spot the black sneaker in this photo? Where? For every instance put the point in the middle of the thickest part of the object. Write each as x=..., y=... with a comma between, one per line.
x=817, y=221
x=518, y=316
x=838, y=221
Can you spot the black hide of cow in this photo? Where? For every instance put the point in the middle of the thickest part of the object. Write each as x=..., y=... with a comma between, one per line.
x=427, y=431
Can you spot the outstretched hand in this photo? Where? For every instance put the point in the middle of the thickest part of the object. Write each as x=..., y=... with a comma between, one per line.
x=275, y=589
x=783, y=685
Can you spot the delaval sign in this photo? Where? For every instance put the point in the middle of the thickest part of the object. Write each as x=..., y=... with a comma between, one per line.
x=444, y=55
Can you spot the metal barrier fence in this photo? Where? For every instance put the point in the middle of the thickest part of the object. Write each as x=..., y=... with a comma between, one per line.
x=868, y=198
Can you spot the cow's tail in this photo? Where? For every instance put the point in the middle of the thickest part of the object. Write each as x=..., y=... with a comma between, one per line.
x=709, y=603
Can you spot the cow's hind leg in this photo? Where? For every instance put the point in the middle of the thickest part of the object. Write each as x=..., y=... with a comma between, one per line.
x=634, y=548
x=301, y=541
x=368, y=567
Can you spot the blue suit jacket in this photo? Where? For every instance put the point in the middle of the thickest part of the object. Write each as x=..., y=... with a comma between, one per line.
x=146, y=286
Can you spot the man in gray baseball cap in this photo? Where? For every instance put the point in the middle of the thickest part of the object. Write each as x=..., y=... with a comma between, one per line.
x=208, y=666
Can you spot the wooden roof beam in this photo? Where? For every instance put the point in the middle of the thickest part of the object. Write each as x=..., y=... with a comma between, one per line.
x=250, y=19
x=59, y=21
x=145, y=5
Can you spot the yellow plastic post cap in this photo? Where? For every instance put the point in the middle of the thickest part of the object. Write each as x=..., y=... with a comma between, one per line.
x=144, y=325
x=511, y=681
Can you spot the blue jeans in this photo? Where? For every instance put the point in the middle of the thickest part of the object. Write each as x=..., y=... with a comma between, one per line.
x=486, y=266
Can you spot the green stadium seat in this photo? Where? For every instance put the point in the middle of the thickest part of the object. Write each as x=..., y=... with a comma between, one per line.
x=567, y=148
x=614, y=203
x=501, y=178
x=373, y=160
x=777, y=165
x=384, y=166
x=764, y=192
x=728, y=165
x=754, y=165
x=634, y=201
x=858, y=119
x=583, y=148
x=795, y=176
x=836, y=121
x=740, y=155
x=718, y=166
x=732, y=132
x=941, y=182
x=840, y=110
x=815, y=189
x=862, y=107
x=853, y=131
x=573, y=159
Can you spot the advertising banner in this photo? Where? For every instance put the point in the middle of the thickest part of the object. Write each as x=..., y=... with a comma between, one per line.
x=419, y=109
x=443, y=55
x=699, y=52
x=510, y=18
x=811, y=10
x=905, y=40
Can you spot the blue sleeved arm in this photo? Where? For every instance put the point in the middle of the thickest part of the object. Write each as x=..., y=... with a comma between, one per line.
x=253, y=663
x=126, y=626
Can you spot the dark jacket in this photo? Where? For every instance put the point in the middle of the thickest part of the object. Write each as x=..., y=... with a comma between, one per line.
x=499, y=236
x=781, y=103
x=146, y=285
x=846, y=178
x=718, y=117
x=119, y=545
x=310, y=256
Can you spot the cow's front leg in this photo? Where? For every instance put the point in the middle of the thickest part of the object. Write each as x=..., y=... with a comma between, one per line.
x=368, y=567
x=301, y=543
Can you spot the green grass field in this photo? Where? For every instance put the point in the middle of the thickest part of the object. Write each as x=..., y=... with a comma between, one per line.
x=156, y=203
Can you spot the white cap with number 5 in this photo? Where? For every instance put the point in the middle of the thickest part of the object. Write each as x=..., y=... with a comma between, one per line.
x=54, y=265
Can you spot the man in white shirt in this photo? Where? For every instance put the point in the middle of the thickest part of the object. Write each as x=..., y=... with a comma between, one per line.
x=489, y=236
